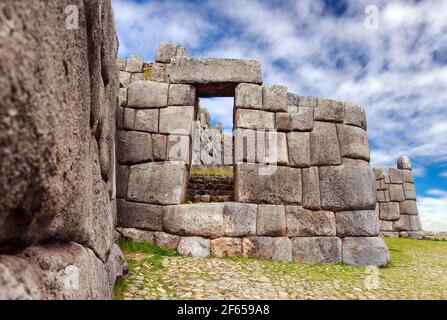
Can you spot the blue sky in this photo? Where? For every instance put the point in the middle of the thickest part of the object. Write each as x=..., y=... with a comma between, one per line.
x=397, y=71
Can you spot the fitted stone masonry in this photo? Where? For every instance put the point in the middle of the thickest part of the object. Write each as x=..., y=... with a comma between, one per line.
x=303, y=187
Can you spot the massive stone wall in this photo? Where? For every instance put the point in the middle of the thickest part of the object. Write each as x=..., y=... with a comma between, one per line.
x=58, y=94
x=396, y=201
x=304, y=190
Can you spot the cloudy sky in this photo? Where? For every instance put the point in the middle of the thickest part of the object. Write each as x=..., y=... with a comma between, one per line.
x=393, y=63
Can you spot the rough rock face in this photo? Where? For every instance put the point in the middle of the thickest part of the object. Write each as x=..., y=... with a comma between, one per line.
x=58, y=93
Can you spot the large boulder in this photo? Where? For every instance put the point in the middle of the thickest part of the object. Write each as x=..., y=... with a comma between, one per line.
x=274, y=248
x=306, y=223
x=365, y=251
x=316, y=249
x=364, y=223
x=194, y=247
x=240, y=219
x=140, y=215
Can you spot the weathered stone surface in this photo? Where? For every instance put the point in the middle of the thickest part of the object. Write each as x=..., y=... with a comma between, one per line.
x=137, y=234
x=274, y=98
x=378, y=172
x=404, y=163
x=283, y=121
x=267, y=184
x=226, y=247
x=292, y=99
x=240, y=219
x=408, y=176
x=395, y=176
x=129, y=118
x=418, y=235
x=159, y=146
x=176, y=120
x=210, y=70
x=122, y=98
x=134, y=147
x=169, y=50
x=345, y=188
x=248, y=96
x=415, y=223
x=124, y=78
x=354, y=162
x=386, y=225
x=357, y=223
x=204, y=220
x=396, y=193
x=179, y=148
x=409, y=191
x=272, y=149
x=139, y=76
x=157, y=183
x=306, y=223
x=329, y=110
x=365, y=251
x=299, y=149
x=140, y=215
x=194, y=247
x=166, y=240
x=254, y=119
x=182, y=95
x=158, y=72
x=311, y=189
x=353, y=142
x=43, y=272
x=122, y=176
x=389, y=211
x=403, y=224
x=134, y=64
x=116, y=266
x=316, y=249
x=388, y=234
x=408, y=207
x=245, y=141
x=303, y=120
x=380, y=196
x=324, y=144
x=306, y=101
x=274, y=248
x=120, y=64
x=271, y=220
x=355, y=116
x=147, y=94
x=146, y=120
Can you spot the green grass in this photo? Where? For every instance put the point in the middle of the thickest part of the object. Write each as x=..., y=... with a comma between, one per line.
x=223, y=172
x=132, y=246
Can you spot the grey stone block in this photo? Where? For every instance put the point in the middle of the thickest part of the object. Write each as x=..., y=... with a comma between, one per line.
x=122, y=176
x=138, y=76
x=303, y=120
x=357, y=223
x=226, y=247
x=210, y=70
x=240, y=219
x=415, y=223
x=159, y=183
x=159, y=146
x=408, y=207
x=299, y=149
x=176, y=120
x=274, y=248
x=409, y=191
x=404, y=163
x=389, y=211
x=267, y=184
x=194, y=247
x=134, y=147
x=168, y=50
x=311, y=189
x=146, y=120
x=386, y=226
x=408, y=176
x=205, y=220
x=403, y=224
x=134, y=64
x=353, y=142
x=355, y=116
x=182, y=95
x=140, y=215
x=122, y=99
x=307, y=102
x=274, y=98
x=395, y=176
x=254, y=119
x=272, y=149
x=307, y=223
x=324, y=144
x=129, y=118
x=158, y=72
x=344, y=188
x=248, y=96
x=271, y=220
x=389, y=234
x=365, y=251
x=124, y=78
x=316, y=250
x=329, y=110
x=245, y=141
x=166, y=240
x=121, y=64
x=147, y=94
x=396, y=193
x=179, y=148
x=137, y=234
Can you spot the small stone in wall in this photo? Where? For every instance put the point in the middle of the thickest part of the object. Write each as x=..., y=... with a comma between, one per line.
x=271, y=220
x=226, y=247
x=194, y=247
x=274, y=98
x=248, y=96
x=316, y=249
x=134, y=64
x=329, y=110
x=166, y=240
x=365, y=251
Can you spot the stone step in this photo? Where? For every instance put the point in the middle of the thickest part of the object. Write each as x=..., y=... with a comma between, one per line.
x=208, y=198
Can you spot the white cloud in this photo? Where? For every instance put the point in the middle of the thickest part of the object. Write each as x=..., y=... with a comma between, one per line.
x=433, y=211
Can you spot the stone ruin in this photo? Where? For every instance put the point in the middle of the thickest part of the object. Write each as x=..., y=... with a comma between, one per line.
x=396, y=201
x=303, y=187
